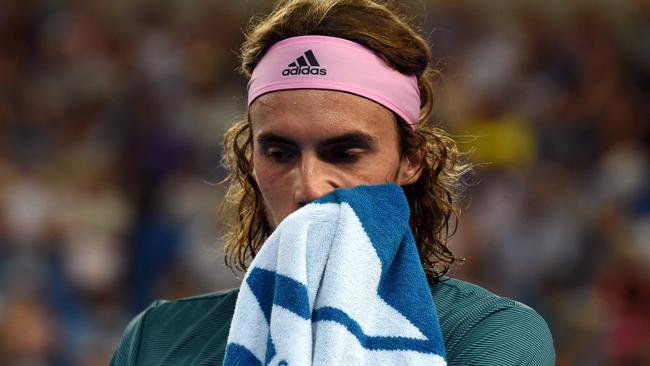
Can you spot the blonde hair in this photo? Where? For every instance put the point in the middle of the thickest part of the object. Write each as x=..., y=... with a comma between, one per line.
x=380, y=28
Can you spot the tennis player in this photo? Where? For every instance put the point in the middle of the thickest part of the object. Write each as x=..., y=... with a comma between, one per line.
x=339, y=96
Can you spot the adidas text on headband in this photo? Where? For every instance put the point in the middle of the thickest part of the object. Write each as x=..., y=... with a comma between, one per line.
x=322, y=62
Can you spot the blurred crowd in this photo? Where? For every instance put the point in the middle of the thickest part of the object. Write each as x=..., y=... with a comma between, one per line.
x=111, y=117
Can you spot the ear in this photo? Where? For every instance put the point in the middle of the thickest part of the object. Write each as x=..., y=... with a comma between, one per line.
x=411, y=166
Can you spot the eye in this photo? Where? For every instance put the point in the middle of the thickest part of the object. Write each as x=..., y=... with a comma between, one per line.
x=279, y=154
x=342, y=154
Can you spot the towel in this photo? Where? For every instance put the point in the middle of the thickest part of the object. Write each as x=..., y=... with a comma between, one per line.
x=339, y=282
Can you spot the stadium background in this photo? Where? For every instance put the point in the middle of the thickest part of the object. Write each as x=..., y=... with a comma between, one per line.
x=111, y=116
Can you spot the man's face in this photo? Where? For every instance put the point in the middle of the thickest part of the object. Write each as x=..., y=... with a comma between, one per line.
x=306, y=143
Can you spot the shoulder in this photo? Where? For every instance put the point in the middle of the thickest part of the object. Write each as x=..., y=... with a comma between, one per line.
x=186, y=311
x=481, y=328
x=161, y=333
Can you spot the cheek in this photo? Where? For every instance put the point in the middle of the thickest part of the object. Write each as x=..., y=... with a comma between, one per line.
x=273, y=187
x=382, y=168
x=263, y=175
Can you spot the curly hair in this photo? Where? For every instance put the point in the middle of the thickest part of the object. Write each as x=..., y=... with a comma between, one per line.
x=379, y=27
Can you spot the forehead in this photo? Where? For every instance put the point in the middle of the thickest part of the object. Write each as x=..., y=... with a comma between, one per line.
x=320, y=112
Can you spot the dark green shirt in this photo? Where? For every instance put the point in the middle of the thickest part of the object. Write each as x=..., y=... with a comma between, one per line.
x=479, y=328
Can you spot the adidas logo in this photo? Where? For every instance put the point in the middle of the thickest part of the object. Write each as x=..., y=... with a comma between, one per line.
x=305, y=65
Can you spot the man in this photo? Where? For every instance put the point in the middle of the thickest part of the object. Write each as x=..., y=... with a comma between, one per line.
x=339, y=97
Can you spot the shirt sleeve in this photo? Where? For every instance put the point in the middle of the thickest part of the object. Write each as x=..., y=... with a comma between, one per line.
x=128, y=349
x=507, y=335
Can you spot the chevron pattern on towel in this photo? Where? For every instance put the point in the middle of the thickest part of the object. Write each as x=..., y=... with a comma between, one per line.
x=339, y=282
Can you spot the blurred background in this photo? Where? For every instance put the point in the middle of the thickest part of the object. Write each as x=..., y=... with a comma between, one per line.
x=111, y=117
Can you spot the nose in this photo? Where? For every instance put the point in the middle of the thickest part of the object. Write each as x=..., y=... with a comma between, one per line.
x=314, y=179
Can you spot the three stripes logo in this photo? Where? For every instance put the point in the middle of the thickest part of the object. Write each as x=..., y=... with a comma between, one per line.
x=305, y=65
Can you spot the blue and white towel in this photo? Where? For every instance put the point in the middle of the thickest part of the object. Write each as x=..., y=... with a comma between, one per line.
x=339, y=282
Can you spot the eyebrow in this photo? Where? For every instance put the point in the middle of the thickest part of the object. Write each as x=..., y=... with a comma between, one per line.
x=270, y=137
x=359, y=138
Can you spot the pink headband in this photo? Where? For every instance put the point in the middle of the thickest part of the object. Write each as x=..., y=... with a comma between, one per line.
x=322, y=62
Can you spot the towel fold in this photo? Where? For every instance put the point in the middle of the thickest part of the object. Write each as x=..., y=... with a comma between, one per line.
x=339, y=282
